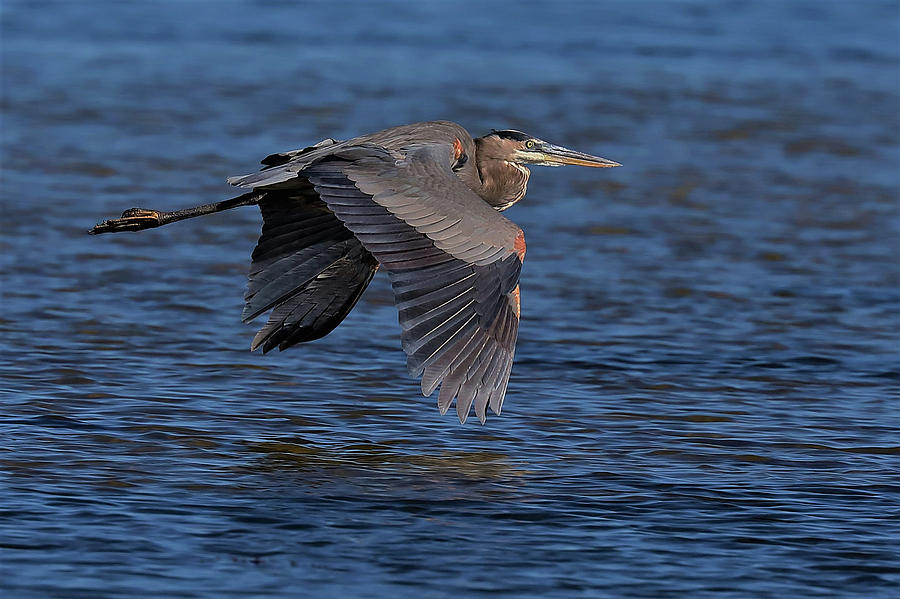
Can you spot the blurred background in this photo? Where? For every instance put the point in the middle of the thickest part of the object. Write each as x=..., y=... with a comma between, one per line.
x=705, y=395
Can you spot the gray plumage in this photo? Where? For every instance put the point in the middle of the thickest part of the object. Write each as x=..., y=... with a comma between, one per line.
x=420, y=200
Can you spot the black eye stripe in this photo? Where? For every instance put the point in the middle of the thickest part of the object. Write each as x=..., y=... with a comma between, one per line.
x=511, y=134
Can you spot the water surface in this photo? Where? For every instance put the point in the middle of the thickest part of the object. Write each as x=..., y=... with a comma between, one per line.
x=705, y=396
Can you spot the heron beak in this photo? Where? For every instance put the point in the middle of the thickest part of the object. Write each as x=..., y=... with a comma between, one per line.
x=558, y=156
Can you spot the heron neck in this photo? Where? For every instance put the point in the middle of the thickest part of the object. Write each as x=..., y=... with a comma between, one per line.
x=503, y=183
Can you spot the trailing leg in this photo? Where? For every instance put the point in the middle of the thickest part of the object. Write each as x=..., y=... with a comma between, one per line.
x=138, y=219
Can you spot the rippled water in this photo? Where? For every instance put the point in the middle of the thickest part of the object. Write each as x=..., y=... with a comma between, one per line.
x=705, y=398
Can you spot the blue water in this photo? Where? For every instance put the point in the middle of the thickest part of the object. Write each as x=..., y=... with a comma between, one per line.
x=705, y=396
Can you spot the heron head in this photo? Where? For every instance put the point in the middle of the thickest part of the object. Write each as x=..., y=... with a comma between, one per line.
x=521, y=148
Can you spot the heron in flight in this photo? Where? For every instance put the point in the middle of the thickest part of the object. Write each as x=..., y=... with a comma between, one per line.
x=423, y=201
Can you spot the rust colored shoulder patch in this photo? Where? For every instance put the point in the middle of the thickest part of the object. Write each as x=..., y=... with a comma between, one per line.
x=457, y=149
x=519, y=246
x=516, y=301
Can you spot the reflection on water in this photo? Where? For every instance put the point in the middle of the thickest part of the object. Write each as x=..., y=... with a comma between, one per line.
x=704, y=400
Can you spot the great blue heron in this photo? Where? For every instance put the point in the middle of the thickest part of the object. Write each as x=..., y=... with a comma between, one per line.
x=424, y=202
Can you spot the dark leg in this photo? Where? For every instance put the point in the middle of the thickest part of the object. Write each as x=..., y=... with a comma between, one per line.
x=138, y=219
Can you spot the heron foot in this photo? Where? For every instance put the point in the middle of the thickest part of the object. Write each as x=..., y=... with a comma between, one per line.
x=133, y=219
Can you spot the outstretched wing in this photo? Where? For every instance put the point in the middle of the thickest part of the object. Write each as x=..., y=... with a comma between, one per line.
x=307, y=268
x=454, y=264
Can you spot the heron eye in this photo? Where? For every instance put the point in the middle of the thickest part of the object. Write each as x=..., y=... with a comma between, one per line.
x=529, y=144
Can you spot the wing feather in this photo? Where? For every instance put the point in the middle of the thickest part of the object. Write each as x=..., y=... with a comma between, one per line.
x=453, y=274
x=307, y=268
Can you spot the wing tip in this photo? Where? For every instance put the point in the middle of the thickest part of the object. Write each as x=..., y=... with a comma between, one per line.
x=493, y=402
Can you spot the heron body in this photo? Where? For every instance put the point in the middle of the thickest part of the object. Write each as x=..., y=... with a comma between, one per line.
x=423, y=202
